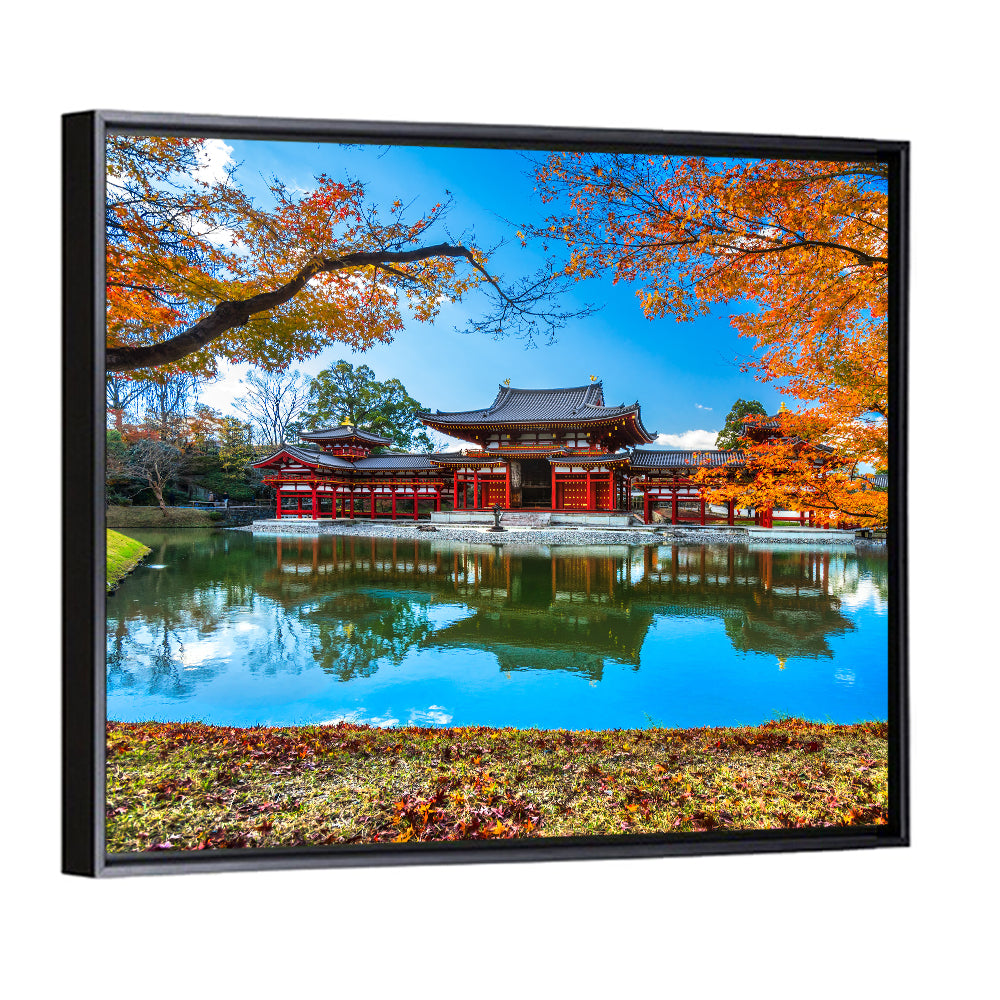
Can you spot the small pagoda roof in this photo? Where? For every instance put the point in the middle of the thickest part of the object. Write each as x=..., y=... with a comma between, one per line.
x=573, y=405
x=759, y=422
x=314, y=459
x=877, y=480
x=345, y=433
x=647, y=458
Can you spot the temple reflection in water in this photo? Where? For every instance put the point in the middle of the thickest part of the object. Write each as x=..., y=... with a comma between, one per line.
x=563, y=608
x=239, y=629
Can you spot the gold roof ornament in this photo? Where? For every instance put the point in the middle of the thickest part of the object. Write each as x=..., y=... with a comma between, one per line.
x=506, y=381
x=783, y=408
x=593, y=378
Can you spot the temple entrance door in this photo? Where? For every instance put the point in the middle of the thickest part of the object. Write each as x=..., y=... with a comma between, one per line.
x=536, y=483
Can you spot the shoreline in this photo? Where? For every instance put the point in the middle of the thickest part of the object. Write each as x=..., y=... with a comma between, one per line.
x=189, y=786
x=122, y=555
x=560, y=535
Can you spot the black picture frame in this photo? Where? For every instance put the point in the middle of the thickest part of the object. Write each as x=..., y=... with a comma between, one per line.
x=83, y=698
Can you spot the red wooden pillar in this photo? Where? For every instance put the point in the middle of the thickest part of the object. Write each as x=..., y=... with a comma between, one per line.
x=394, y=503
x=673, y=506
x=611, y=490
x=454, y=491
x=475, y=490
x=315, y=501
x=555, y=494
x=506, y=486
x=732, y=513
x=416, y=500
x=350, y=500
x=437, y=498
x=802, y=518
x=590, y=500
x=645, y=504
x=373, y=502
x=702, y=518
x=277, y=504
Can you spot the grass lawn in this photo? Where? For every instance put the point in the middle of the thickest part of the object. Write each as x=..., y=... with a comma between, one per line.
x=153, y=517
x=187, y=786
x=124, y=554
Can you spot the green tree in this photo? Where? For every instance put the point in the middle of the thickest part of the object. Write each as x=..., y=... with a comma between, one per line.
x=732, y=431
x=345, y=394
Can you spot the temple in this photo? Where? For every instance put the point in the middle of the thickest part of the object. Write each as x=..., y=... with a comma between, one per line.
x=556, y=450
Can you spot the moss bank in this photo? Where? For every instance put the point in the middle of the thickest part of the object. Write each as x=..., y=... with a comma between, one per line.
x=154, y=517
x=187, y=786
x=123, y=555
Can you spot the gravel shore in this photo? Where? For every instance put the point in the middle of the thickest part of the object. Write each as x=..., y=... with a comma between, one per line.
x=528, y=536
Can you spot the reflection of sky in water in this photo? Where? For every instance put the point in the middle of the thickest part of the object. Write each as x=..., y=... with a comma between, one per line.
x=242, y=630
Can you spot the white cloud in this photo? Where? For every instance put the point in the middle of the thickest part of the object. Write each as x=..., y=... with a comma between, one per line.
x=214, y=161
x=698, y=406
x=688, y=440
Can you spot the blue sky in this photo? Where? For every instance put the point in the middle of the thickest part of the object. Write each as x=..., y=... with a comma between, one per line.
x=684, y=375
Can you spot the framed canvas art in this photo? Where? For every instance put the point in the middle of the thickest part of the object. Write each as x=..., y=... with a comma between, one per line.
x=449, y=493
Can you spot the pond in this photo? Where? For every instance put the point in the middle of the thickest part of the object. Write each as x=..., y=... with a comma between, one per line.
x=232, y=628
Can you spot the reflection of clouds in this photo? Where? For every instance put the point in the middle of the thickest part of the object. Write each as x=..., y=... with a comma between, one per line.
x=864, y=594
x=359, y=718
x=194, y=654
x=844, y=675
x=433, y=715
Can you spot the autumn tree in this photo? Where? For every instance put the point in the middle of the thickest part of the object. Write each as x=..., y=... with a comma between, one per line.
x=198, y=272
x=731, y=435
x=123, y=394
x=786, y=467
x=153, y=464
x=796, y=249
x=236, y=450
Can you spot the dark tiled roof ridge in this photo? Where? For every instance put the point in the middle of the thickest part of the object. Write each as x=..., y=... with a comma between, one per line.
x=306, y=456
x=343, y=431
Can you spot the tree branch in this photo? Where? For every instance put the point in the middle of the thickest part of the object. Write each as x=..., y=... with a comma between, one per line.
x=232, y=313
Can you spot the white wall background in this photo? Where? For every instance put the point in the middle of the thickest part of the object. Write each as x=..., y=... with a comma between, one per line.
x=863, y=924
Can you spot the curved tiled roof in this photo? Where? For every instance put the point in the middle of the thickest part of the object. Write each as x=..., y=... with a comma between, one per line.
x=576, y=404
x=645, y=458
x=395, y=461
x=568, y=458
x=343, y=433
x=306, y=457
x=451, y=458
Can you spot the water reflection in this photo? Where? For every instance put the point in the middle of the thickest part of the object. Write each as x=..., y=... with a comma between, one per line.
x=287, y=629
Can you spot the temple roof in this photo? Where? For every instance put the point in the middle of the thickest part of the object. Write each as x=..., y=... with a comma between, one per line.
x=345, y=433
x=643, y=458
x=573, y=405
x=418, y=460
x=450, y=458
x=570, y=458
x=393, y=460
x=306, y=457
x=879, y=480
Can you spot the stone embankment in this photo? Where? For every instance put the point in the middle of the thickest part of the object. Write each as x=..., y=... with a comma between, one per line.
x=555, y=535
